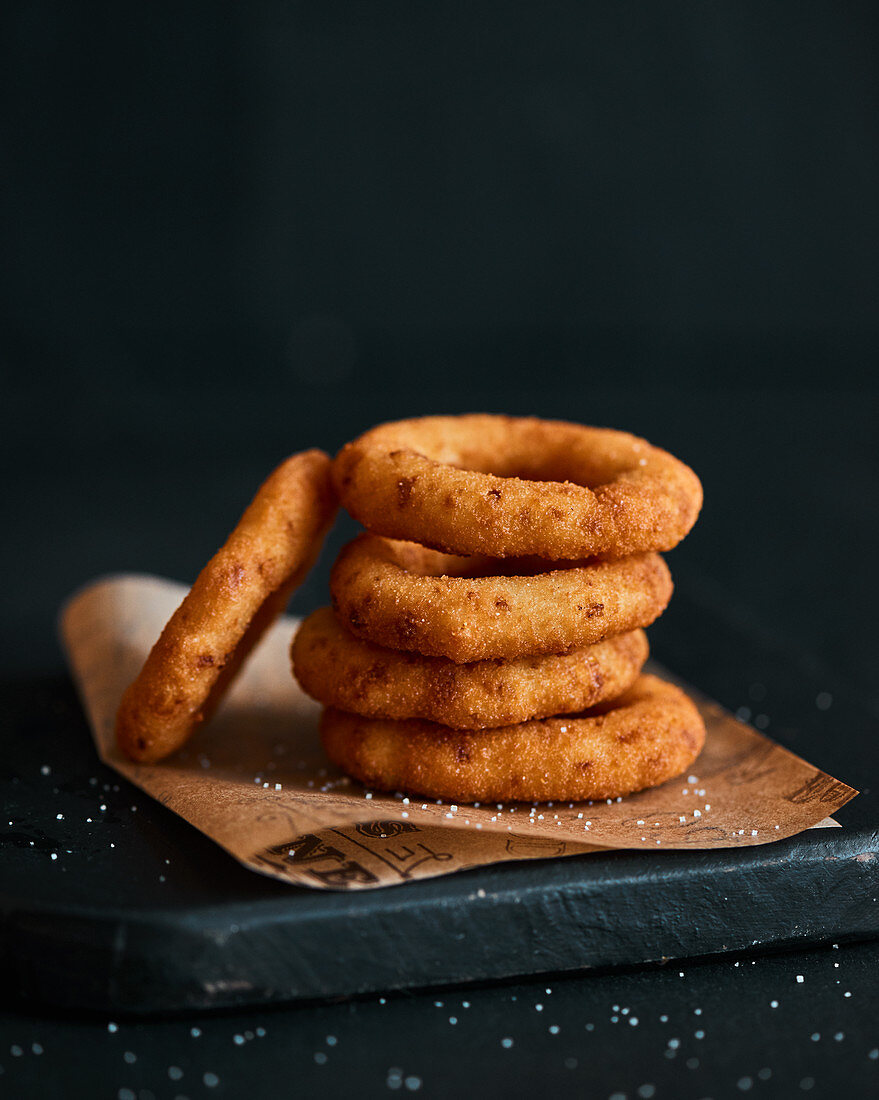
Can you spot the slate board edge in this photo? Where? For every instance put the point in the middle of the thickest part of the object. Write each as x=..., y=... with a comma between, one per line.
x=797, y=892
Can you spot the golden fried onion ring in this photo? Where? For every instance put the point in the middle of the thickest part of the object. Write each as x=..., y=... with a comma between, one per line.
x=342, y=671
x=235, y=598
x=404, y=596
x=510, y=487
x=650, y=734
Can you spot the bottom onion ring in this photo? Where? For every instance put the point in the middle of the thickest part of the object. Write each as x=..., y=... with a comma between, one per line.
x=405, y=596
x=650, y=734
x=235, y=598
x=342, y=671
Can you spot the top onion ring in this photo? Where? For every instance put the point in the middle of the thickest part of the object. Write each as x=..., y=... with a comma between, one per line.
x=516, y=486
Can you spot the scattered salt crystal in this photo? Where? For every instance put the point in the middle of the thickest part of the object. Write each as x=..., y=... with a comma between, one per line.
x=800, y=979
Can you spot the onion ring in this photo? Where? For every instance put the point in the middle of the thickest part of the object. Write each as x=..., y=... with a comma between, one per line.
x=517, y=486
x=235, y=598
x=650, y=734
x=345, y=672
x=400, y=595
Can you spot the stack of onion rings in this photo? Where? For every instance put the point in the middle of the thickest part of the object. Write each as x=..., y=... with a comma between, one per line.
x=485, y=640
x=485, y=637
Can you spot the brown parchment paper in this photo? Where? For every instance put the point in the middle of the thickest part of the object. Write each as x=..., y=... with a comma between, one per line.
x=256, y=781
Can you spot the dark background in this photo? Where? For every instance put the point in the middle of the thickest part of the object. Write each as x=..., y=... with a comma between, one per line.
x=231, y=231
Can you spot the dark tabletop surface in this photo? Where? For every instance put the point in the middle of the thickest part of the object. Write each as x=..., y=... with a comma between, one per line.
x=238, y=231
x=788, y=476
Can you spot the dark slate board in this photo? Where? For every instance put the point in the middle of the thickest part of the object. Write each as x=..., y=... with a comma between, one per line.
x=139, y=913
